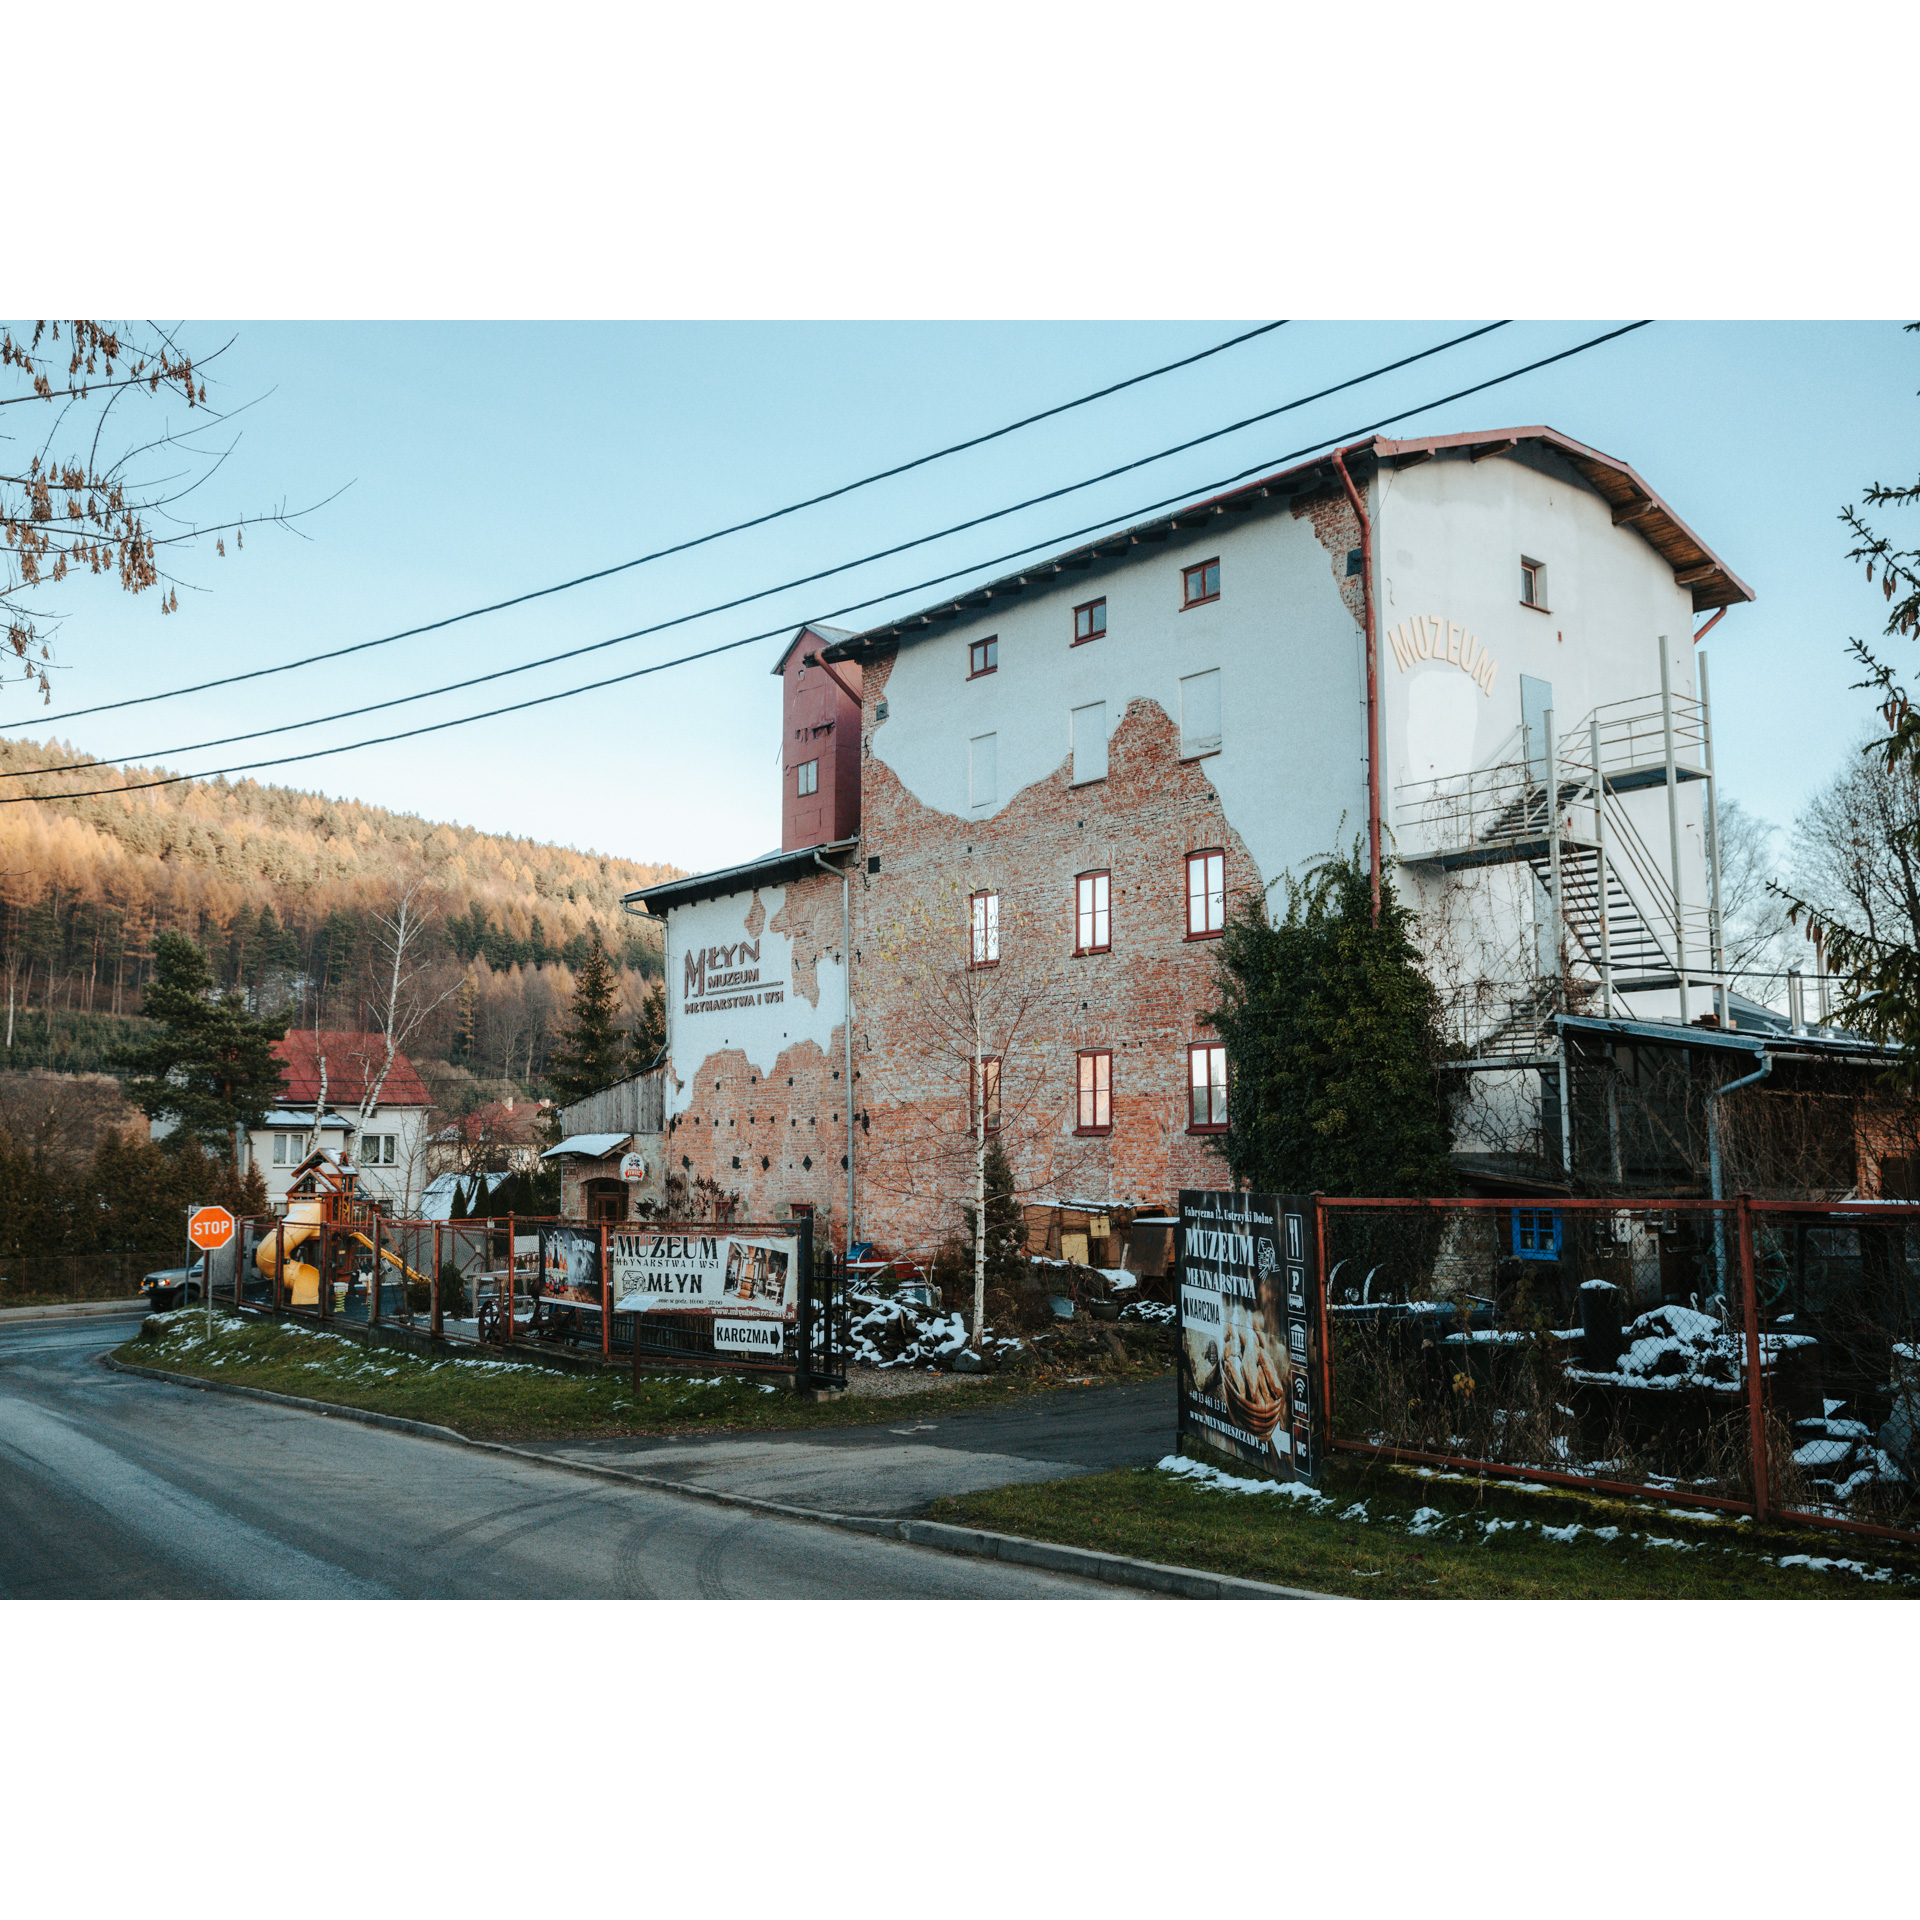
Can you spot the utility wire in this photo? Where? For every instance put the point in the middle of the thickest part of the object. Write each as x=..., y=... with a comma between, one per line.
x=698, y=540
x=807, y=579
x=729, y=646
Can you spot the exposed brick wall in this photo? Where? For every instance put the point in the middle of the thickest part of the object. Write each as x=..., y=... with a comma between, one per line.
x=1337, y=527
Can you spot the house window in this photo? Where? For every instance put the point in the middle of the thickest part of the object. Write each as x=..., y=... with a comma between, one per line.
x=1206, y=893
x=1090, y=621
x=983, y=657
x=1536, y=1234
x=986, y=929
x=1095, y=1102
x=990, y=1074
x=283, y=1149
x=378, y=1149
x=1200, y=583
x=1089, y=725
x=983, y=753
x=809, y=778
x=1200, y=714
x=1093, y=913
x=1206, y=1089
x=606, y=1200
x=1533, y=584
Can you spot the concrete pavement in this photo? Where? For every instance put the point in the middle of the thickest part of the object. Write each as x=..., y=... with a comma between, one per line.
x=113, y=1486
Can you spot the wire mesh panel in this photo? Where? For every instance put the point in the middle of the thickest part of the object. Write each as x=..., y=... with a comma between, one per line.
x=1566, y=1340
x=1841, y=1286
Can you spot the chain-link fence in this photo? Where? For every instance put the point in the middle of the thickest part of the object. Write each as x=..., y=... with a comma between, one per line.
x=1755, y=1356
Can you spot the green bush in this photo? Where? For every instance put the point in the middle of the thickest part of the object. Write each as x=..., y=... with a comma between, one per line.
x=453, y=1291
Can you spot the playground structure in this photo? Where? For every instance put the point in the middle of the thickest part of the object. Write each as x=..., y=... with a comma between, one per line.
x=327, y=1221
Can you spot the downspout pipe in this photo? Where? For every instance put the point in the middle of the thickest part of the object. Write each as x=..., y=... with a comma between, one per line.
x=846, y=965
x=1373, y=678
x=1713, y=1159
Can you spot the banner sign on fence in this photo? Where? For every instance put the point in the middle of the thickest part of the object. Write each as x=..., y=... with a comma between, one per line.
x=570, y=1265
x=1245, y=1379
x=696, y=1272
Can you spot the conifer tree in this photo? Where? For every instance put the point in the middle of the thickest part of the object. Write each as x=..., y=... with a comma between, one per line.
x=1333, y=1044
x=592, y=1051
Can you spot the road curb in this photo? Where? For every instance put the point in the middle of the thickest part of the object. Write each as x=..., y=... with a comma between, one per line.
x=1047, y=1556
x=75, y=1310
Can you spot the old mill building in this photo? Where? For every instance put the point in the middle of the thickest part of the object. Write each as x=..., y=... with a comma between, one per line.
x=1030, y=810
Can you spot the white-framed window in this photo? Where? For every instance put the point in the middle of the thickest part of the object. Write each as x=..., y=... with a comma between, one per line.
x=809, y=777
x=1089, y=743
x=1206, y=1088
x=379, y=1149
x=283, y=1149
x=983, y=756
x=1093, y=913
x=1200, y=714
x=1206, y=893
x=1533, y=584
x=986, y=929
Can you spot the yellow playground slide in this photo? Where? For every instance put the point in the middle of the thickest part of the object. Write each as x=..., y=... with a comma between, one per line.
x=300, y=1277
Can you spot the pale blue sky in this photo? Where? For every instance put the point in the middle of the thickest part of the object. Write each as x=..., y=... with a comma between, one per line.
x=486, y=458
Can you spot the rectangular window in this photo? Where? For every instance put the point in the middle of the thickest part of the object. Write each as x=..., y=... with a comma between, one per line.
x=1200, y=583
x=1093, y=913
x=983, y=657
x=986, y=929
x=1090, y=621
x=1536, y=1234
x=1089, y=743
x=1206, y=1089
x=282, y=1149
x=990, y=1073
x=982, y=759
x=809, y=778
x=1200, y=714
x=1094, y=1106
x=1533, y=585
x=1206, y=893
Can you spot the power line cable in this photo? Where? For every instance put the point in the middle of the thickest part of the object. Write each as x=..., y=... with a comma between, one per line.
x=698, y=540
x=729, y=646
x=803, y=580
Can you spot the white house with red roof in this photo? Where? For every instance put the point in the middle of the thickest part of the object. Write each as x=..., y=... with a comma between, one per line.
x=360, y=1096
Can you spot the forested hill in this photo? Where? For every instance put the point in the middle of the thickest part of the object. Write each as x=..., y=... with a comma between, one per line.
x=282, y=889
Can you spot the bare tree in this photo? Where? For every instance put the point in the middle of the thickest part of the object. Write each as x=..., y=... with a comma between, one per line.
x=969, y=1064
x=1754, y=930
x=1856, y=850
x=87, y=484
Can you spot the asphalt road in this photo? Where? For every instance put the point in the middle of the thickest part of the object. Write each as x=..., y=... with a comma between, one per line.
x=117, y=1487
x=901, y=1466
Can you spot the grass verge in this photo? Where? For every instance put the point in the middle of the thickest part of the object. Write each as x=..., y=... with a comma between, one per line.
x=492, y=1399
x=1383, y=1533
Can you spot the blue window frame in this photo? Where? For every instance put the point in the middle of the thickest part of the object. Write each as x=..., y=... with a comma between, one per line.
x=1536, y=1234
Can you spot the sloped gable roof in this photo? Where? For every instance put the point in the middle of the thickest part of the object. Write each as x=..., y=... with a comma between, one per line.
x=353, y=1060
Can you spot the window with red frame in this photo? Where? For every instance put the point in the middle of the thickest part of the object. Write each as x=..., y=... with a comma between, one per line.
x=1200, y=583
x=1093, y=913
x=983, y=657
x=1206, y=1089
x=990, y=1074
x=1206, y=893
x=1095, y=1102
x=1090, y=621
x=986, y=929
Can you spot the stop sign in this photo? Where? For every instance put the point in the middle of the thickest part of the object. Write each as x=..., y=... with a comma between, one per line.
x=210, y=1228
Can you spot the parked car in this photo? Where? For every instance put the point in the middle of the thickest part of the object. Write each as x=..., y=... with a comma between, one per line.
x=175, y=1286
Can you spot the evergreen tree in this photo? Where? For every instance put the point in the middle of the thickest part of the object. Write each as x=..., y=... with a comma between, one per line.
x=592, y=1052
x=650, y=1031
x=1333, y=1044
x=458, y=1211
x=211, y=1066
x=1006, y=1227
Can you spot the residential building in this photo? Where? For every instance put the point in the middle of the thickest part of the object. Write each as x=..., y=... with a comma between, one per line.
x=337, y=1069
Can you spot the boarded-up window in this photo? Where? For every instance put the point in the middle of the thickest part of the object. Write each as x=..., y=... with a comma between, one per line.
x=1200, y=714
x=983, y=755
x=1089, y=743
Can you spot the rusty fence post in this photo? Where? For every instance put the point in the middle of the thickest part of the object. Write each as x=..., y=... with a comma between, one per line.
x=279, y=1263
x=606, y=1297
x=436, y=1322
x=373, y=1285
x=1750, y=1310
x=1320, y=1312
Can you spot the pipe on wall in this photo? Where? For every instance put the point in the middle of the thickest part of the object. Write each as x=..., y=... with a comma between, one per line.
x=846, y=965
x=1373, y=680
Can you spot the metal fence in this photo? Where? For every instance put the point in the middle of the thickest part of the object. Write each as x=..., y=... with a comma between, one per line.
x=1759, y=1357
x=479, y=1282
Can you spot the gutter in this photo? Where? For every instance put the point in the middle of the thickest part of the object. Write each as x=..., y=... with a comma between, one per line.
x=1373, y=679
x=846, y=963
